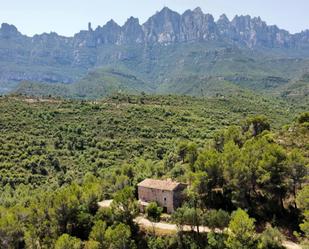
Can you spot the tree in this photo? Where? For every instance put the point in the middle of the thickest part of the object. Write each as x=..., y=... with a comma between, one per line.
x=271, y=238
x=156, y=243
x=186, y=216
x=92, y=245
x=192, y=154
x=98, y=232
x=209, y=161
x=154, y=211
x=119, y=237
x=199, y=189
x=302, y=201
x=216, y=219
x=67, y=242
x=182, y=150
x=273, y=173
x=66, y=206
x=256, y=125
x=125, y=205
x=241, y=231
x=236, y=176
x=179, y=218
x=154, y=214
x=45, y=233
x=232, y=134
x=215, y=240
x=83, y=223
x=303, y=118
x=11, y=233
x=297, y=169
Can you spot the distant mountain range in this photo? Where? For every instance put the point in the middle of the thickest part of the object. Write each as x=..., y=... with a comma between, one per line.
x=170, y=53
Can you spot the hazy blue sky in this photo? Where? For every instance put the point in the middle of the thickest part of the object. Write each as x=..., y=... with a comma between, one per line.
x=67, y=17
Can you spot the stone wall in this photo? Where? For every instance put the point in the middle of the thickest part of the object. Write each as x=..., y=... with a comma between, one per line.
x=163, y=197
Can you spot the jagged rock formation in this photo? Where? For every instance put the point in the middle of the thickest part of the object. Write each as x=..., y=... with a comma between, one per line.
x=53, y=58
x=167, y=27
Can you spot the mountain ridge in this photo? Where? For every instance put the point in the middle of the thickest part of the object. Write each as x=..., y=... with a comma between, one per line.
x=223, y=19
x=157, y=50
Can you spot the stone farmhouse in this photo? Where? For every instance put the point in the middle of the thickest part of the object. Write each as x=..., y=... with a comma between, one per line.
x=166, y=193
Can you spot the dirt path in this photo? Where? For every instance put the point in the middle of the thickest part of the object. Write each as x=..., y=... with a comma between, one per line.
x=291, y=245
x=162, y=228
x=168, y=228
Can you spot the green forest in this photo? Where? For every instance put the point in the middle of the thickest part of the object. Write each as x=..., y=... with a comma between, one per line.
x=244, y=157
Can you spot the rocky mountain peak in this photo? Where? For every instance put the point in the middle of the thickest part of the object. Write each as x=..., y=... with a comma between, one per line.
x=164, y=15
x=111, y=24
x=132, y=32
x=108, y=34
x=257, y=22
x=166, y=11
x=223, y=19
x=8, y=31
x=132, y=21
x=168, y=26
x=241, y=22
x=163, y=27
x=87, y=48
x=198, y=10
x=209, y=18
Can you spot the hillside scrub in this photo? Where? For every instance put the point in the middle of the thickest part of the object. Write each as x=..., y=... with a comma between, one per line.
x=79, y=153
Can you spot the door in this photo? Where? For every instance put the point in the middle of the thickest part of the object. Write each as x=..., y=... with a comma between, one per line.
x=164, y=204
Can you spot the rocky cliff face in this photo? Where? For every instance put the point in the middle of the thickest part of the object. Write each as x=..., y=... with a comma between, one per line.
x=63, y=55
x=167, y=26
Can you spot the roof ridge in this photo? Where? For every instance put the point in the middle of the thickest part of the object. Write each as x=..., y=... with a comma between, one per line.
x=167, y=184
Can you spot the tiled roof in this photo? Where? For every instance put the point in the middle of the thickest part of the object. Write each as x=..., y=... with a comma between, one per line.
x=159, y=184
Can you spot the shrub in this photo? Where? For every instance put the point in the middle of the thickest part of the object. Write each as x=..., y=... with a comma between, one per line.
x=154, y=211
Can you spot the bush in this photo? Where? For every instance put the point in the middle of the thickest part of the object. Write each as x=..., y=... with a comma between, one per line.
x=271, y=238
x=216, y=219
x=241, y=231
x=68, y=242
x=154, y=211
x=303, y=118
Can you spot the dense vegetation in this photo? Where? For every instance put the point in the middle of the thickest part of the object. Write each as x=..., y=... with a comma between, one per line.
x=59, y=140
x=195, y=69
x=236, y=131
x=59, y=158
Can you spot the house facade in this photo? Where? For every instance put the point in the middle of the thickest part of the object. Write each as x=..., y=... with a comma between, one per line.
x=167, y=193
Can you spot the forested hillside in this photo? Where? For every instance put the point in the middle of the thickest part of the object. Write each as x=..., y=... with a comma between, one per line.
x=60, y=157
x=199, y=69
x=59, y=140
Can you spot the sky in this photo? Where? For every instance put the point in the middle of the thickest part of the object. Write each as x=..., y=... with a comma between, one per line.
x=67, y=17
